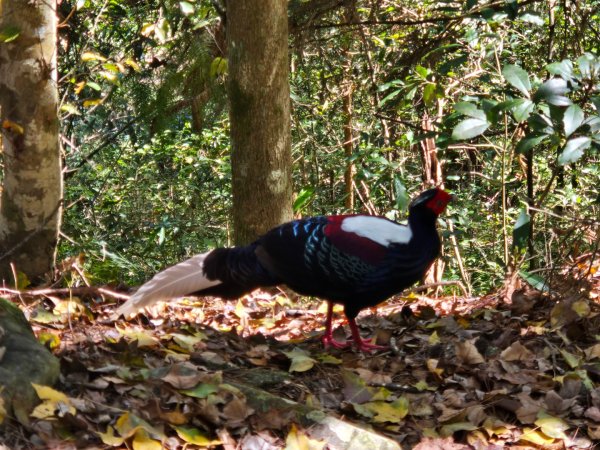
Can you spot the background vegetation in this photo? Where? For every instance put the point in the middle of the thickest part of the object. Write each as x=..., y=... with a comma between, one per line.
x=498, y=100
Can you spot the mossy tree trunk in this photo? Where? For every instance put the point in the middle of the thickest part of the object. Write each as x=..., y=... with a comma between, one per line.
x=32, y=182
x=259, y=96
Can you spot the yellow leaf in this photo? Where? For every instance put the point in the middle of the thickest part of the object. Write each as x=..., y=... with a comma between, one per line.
x=109, y=437
x=54, y=403
x=90, y=56
x=434, y=338
x=380, y=411
x=141, y=441
x=12, y=126
x=50, y=340
x=110, y=76
x=147, y=29
x=572, y=360
x=301, y=361
x=553, y=427
x=536, y=437
x=79, y=87
x=129, y=424
x=240, y=310
x=297, y=440
x=451, y=428
x=195, y=437
x=581, y=307
x=144, y=339
x=92, y=102
x=134, y=65
x=433, y=368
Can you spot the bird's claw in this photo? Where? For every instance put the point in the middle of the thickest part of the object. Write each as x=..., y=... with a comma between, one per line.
x=364, y=345
x=328, y=340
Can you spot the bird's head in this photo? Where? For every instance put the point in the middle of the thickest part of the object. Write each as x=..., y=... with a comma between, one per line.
x=434, y=199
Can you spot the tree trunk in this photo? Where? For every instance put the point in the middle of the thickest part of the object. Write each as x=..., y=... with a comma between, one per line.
x=32, y=186
x=259, y=96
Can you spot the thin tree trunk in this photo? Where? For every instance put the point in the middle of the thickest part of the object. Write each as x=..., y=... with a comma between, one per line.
x=259, y=96
x=30, y=206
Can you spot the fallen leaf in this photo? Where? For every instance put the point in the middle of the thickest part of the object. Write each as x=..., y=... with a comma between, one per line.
x=195, y=437
x=467, y=353
x=517, y=352
x=301, y=361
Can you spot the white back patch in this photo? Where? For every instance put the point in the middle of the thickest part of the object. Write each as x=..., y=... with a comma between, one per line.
x=380, y=230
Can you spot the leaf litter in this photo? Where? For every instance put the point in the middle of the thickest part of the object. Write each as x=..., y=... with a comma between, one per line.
x=203, y=373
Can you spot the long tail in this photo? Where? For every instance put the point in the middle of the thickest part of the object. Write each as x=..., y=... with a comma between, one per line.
x=176, y=281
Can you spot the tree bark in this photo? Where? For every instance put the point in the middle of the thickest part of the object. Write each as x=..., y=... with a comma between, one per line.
x=32, y=186
x=259, y=96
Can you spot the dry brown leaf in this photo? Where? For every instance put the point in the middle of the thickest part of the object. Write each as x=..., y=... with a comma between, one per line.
x=467, y=353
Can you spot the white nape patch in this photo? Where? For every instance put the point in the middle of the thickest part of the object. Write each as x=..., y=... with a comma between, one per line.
x=377, y=229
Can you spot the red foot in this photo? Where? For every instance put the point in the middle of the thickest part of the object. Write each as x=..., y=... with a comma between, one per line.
x=364, y=345
x=328, y=340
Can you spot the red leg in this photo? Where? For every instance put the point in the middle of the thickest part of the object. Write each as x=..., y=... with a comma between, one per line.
x=363, y=345
x=327, y=338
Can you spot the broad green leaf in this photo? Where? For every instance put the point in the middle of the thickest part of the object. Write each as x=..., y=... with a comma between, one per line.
x=521, y=229
x=186, y=8
x=541, y=123
x=522, y=108
x=532, y=18
x=203, y=390
x=572, y=119
x=563, y=69
x=9, y=33
x=535, y=281
x=469, y=128
x=574, y=150
x=401, y=194
x=552, y=91
x=585, y=63
x=593, y=122
x=529, y=142
x=469, y=109
x=304, y=197
x=196, y=437
x=429, y=94
x=518, y=78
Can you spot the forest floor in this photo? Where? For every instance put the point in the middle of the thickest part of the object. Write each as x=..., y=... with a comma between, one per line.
x=252, y=374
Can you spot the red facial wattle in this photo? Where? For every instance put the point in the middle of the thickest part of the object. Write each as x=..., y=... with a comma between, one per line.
x=439, y=202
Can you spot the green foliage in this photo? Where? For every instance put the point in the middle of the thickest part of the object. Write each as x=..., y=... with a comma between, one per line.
x=515, y=128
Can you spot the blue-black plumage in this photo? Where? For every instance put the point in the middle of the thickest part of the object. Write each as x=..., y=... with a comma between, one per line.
x=354, y=260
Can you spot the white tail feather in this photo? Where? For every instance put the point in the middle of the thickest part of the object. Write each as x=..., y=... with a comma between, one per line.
x=176, y=281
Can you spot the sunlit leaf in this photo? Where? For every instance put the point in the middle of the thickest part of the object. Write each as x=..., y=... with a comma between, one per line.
x=563, y=69
x=535, y=281
x=469, y=109
x=574, y=149
x=109, y=437
x=196, y=437
x=572, y=119
x=186, y=8
x=469, y=128
x=301, y=360
x=522, y=108
x=9, y=33
x=518, y=78
x=305, y=195
x=553, y=92
x=70, y=108
x=530, y=141
x=297, y=440
x=92, y=102
x=553, y=427
x=91, y=56
x=536, y=437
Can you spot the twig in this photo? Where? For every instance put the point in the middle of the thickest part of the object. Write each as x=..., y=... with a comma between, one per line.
x=82, y=290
